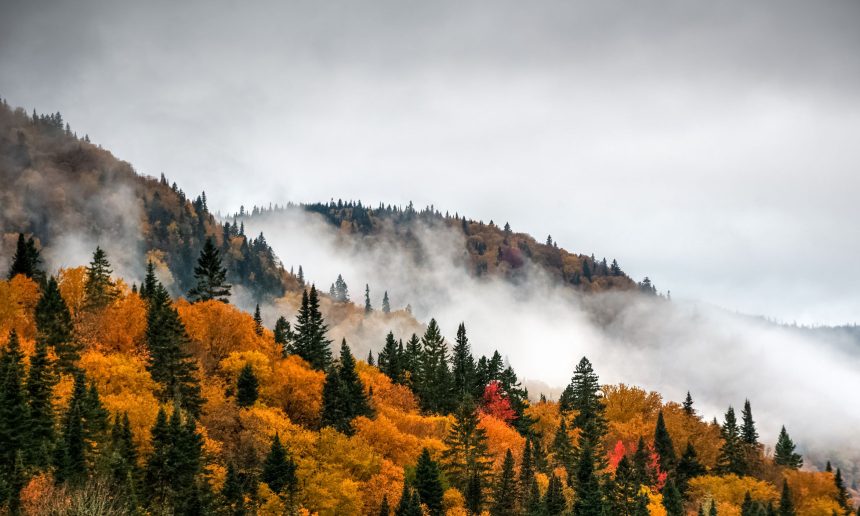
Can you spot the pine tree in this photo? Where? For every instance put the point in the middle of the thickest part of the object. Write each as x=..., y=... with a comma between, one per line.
x=258, y=321
x=474, y=493
x=210, y=276
x=583, y=395
x=589, y=499
x=367, y=307
x=688, y=468
x=731, y=458
x=232, y=494
x=173, y=469
x=427, y=483
x=688, y=405
x=370, y=360
x=386, y=305
x=506, y=491
x=168, y=363
x=279, y=471
x=344, y=398
x=433, y=383
x=466, y=447
x=311, y=343
x=747, y=508
x=40, y=382
x=147, y=287
x=247, y=387
x=554, y=502
x=562, y=448
x=784, y=454
x=527, y=473
x=283, y=335
x=14, y=418
x=410, y=503
x=341, y=291
x=122, y=460
x=463, y=365
x=749, y=434
x=411, y=359
x=389, y=360
x=54, y=326
x=842, y=496
x=533, y=506
x=624, y=493
x=99, y=289
x=70, y=455
x=786, y=506
x=672, y=500
x=663, y=445
x=26, y=260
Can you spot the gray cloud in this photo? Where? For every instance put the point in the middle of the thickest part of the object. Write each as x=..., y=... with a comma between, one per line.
x=712, y=146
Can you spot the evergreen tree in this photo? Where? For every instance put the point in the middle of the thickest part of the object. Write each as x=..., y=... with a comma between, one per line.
x=554, y=502
x=784, y=454
x=209, y=276
x=370, y=360
x=463, y=365
x=624, y=495
x=343, y=394
x=122, y=460
x=562, y=448
x=410, y=503
x=433, y=380
x=384, y=509
x=688, y=405
x=427, y=483
x=389, y=360
x=386, y=305
x=279, y=471
x=283, y=335
x=713, y=510
x=672, y=500
x=527, y=473
x=842, y=496
x=26, y=260
x=367, y=306
x=466, y=447
x=786, y=506
x=147, y=287
x=588, y=500
x=583, y=395
x=232, y=493
x=663, y=445
x=411, y=358
x=247, y=387
x=310, y=333
x=645, y=474
x=474, y=495
x=258, y=321
x=173, y=469
x=506, y=490
x=341, y=291
x=70, y=455
x=749, y=434
x=54, y=326
x=731, y=458
x=15, y=427
x=747, y=507
x=688, y=468
x=40, y=382
x=99, y=289
x=169, y=363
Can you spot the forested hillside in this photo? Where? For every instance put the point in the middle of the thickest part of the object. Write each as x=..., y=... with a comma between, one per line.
x=118, y=400
x=61, y=189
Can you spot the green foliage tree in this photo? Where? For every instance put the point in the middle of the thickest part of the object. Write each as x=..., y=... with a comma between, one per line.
x=14, y=422
x=463, y=365
x=26, y=260
x=258, y=321
x=428, y=484
x=283, y=335
x=688, y=405
x=583, y=396
x=247, y=387
x=344, y=398
x=390, y=360
x=122, y=460
x=688, y=468
x=210, y=276
x=554, y=502
x=672, y=500
x=784, y=454
x=368, y=308
x=562, y=448
x=279, y=472
x=466, y=447
x=99, y=289
x=731, y=458
x=310, y=333
x=54, y=326
x=786, y=505
x=623, y=497
x=589, y=498
x=842, y=496
x=506, y=491
x=386, y=304
x=749, y=434
x=40, y=382
x=433, y=379
x=232, y=493
x=663, y=445
x=474, y=494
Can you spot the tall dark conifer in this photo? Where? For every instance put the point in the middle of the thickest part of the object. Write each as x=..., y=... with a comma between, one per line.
x=247, y=387
x=506, y=489
x=344, y=398
x=26, y=259
x=463, y=365
x=663, y=445
x=466, y=447
x=390, y=360
x=731, y=458
x=14, y=417
x=54, y=326
x=784, y=454
x=40, y=382
x=99, y=289
x=210, y=276
x=588, y=500
x=310, y=333
x=386, y=305
x=279, y=472
x=428, y=484
x=433, y=383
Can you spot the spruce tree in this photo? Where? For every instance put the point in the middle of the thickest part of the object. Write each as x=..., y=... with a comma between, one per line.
x=672, y=500
x=386, y=305
x=663, y=445
x=842, y=496
x=688, y=468
x=15, y=426
x=367, y=306
x=731, y=458
x=588, y=500
x=562, y=448
x=232, y=493
x=506, y=492
x=26, y=260
x=427, y=483
x=747, y=507
x=688, y=405
x=533, y=505
x=527, y=473
x=784, y=453
x=624, y=493
x=433, y=382
x=258, y=321
x=247, y=387
x=283, y=335
x=786, y=506
x=410, y=503
x=344, y=398
x=99, y=289
x=279, y=471
x=384, y=509
x=310, y=333
x=749, y=434
x=122, y=460
x=40, y=382
x=70, y=463
x=173, y=469
x=463, y=365
x=54, y=326
x=389, y=360
x=554, y=502
x=583, y=395
x=169, y=363
x=474, y=493
x=147, y=287
x=209, y=276
x=466, y=447
x=410, y=359
x=341, y=291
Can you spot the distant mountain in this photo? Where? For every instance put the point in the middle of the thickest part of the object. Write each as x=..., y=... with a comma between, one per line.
x=59, y=187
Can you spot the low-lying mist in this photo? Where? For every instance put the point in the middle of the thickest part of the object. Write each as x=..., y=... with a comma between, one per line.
x=791, y=378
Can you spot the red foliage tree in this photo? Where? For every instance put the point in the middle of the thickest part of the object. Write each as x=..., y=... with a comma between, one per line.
x=495, y=403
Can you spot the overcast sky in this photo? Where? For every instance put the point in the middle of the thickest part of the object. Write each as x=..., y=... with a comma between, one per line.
x=714, y=146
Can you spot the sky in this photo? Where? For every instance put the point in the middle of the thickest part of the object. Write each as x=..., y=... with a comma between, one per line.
x=712, y=146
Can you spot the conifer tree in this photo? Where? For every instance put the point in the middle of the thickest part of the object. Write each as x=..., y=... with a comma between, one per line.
x=344, y=398
x=842, y=496
x=386, y=305
x=341, y=291
x=641, y=464
x=122, y=460
x=527, y=473
x=40, y=382
x=784, y=453
x=70, y=454
x=209, y=276
x=562, y=448
x=26, y=260
x=389, y=360
x=173, y=468
x=749, y=434
x=688, y=405
x=583, y=395
x=279, y=471
x=747, y=507
x=786, y=506
x=672, y=501
x=99, y=289
x=506, y=491
x=147, y=287
x=554, y=502
x=474, y=494
x=54, y=326
x=663, y=445
x=466, y=447
x=283, y=335
x=463, y=365
x=247, y=387
x=433, y=382
x=258, y=321
x=169, y=363
x=232, y=494
x=588, y=500
x=14, y=419
x=410, y=503
x=427, y=483
x=411, y=358
x=624, y=493
x=370, y=360
x=713, y=509
x=731, y=458
x=367, y=306
x=310, y=333
x=688, y=468
x=384, y=509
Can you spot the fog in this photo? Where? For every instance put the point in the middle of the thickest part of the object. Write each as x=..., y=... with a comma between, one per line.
x=543, y=329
